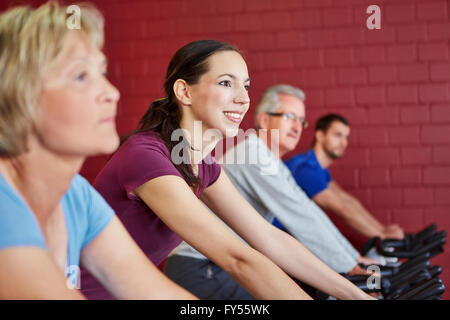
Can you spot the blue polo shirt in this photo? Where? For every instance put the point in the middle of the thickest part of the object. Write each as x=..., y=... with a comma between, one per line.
x=86, y=214
x=308, y=173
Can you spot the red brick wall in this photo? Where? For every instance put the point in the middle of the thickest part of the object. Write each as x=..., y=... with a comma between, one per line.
x=392, y=84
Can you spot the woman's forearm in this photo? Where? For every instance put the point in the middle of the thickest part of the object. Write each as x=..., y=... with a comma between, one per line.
x=301, y=264
x=263, y=279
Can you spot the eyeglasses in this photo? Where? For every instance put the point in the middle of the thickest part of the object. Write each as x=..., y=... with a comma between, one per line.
x=291, y=116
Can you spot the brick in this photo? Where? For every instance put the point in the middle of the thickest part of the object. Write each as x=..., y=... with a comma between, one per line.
x=171, y=44
x=399, y=13
x=402, y=94
x=415, y=155
x=290, y=39
x=201, y=7
x=315, y=97
x=442, y=196
x=413, y=73
x=120, y=50
x=258, y=5
x=134, y=68
x=433, y=51
x=434, y=92
x=276, y=21
x=440, y=71
x=260, y=41
x=418, y=196
x=230, y=6
x=320, y=77
x=312, y=57
x=370, y=55
x=346, y=177
x=352, y=76
x=320, y=38
x=317, y=4
x=402, y=53
x=384, y=157
x=130, y=11
x=387, y=197
x=375, y=177
x=432, y=11
x=255, y=62
x=359, y=14
x=439, y=31
x=339, y=97
x=436, y=175
x=128, y=30
x=170, y=9
x=412, y=32
x=345, y=37
x=404, y=135
x=438, y=215
x=406, y=176
x=287, y=4
x=279, y=60
x=356, y=117
x=292, y=77
x=410, y=219
x=440, y=113
x=248, y=22
x=189, y=25
x=373, y=136
x=385, y=35
x=414, y=115
x=339, y=57
x=218, y=24
x=305, y=19
x=382, y=74
x=441, y=154
x=355, y=157
x=371, y=95
x=337, y=17
x=383, y=116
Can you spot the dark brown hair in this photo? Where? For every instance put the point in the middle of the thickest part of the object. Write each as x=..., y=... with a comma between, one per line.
x=325, y=122
x=164, y=115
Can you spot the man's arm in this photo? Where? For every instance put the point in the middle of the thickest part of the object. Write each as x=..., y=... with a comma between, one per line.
x=337, y=200
x=298, y=214
x=279, y=246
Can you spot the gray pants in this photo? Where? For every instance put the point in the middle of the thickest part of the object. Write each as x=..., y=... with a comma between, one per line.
x=204, y=279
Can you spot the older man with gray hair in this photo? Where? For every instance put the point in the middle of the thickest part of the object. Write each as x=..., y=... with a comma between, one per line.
x=254, y=166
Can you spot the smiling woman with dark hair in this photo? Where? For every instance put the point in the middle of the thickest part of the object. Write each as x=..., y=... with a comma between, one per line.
x=157, y=197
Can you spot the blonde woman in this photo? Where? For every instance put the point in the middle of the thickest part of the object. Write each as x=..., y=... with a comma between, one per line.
x=56, y=109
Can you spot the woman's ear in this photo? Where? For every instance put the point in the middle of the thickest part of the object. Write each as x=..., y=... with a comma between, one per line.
x=182, y=92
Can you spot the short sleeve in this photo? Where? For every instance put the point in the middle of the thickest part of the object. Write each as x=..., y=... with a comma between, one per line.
x=213, y=170
x=144, y=158
x=328, y=177
x=99, y=213
x=18, y=226
x=310, y=180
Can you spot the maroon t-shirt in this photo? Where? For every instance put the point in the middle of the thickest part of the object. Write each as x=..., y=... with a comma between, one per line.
x=143, y=157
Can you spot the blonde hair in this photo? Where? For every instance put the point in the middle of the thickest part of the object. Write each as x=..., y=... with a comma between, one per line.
x=30, y=40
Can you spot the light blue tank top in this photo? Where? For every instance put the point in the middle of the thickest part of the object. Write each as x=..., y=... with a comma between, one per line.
x=86, y=214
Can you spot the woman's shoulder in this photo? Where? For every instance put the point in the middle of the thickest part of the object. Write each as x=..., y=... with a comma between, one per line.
x=17, y=223
x=146, y=138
